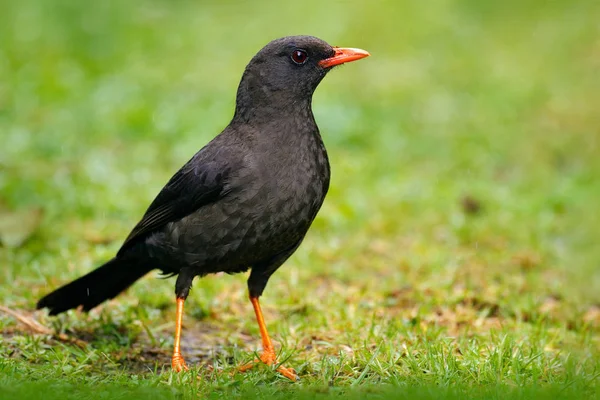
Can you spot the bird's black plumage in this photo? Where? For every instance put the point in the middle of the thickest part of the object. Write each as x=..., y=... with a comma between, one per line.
x=245, y=200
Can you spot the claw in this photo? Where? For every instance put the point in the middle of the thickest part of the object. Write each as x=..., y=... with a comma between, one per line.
x=178, y=363
x=269, y=358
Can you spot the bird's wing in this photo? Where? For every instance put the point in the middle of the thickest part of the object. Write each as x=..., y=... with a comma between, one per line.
x=196, y=184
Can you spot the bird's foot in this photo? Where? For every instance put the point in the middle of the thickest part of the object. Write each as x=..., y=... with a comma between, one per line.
x=269, y=358
x=178, y=363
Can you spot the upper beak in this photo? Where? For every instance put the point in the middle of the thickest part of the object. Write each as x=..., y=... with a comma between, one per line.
x=343, y=55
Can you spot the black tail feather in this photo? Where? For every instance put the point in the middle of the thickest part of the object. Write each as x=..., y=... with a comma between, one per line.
x=92, y=289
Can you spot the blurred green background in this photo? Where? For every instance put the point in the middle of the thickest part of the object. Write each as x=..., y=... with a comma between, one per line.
x=464, y=152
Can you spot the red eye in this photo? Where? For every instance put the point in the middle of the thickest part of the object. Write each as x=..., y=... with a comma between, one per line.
x=299, y=56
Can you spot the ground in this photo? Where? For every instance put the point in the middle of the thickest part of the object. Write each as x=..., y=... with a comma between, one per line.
x=455, y=255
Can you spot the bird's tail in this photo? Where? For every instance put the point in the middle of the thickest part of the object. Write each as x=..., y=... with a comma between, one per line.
x=101, y=284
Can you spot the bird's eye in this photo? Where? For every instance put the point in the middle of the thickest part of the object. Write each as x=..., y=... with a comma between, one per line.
x=299, y=56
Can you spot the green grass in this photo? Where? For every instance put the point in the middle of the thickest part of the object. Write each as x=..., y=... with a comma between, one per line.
x=455, y=256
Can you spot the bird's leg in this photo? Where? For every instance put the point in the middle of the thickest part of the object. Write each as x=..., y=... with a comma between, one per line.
x=177, y=361
x=268, y=355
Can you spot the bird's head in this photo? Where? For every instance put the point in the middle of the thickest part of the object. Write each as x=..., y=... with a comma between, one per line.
x=288, y=70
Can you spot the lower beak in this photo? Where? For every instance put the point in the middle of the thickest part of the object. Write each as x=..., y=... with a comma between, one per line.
x=343, y=55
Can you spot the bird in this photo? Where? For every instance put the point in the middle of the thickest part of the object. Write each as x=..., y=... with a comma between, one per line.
x=244, y=201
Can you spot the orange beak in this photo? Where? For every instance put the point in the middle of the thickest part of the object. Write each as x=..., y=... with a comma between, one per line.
x=343, y=55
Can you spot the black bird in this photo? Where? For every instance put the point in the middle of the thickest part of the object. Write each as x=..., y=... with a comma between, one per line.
x=244, y=201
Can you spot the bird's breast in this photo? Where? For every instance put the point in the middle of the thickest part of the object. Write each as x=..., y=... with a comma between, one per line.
x=298, y=180
x=269, y=206
x=283, y=190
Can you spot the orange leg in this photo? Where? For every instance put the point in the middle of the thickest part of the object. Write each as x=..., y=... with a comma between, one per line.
x=177, y=361
x=268, y=355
